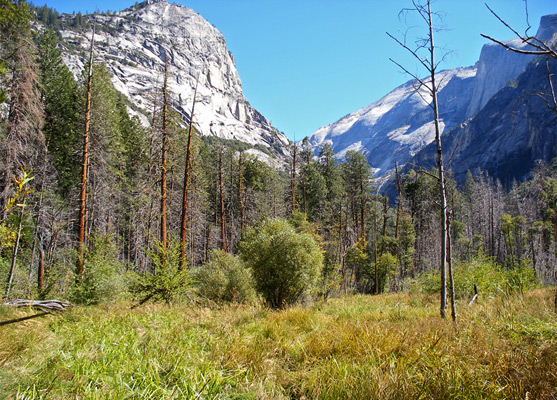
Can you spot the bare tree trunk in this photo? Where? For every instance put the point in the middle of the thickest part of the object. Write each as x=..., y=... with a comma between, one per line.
x=36, y=231
x=376, y=255
x=16, y=249
x=429, y=63
x=84, y=172
x=183, y=225
x=362, y=211
x=440, y=166
x=450, y=267
x=385, y=217
x=293, y=180
x=40, y=270
x=150, y=174
x=222, y=215
x=163, y=160
x=399, y=202
x=207, y=242
x=240, y=195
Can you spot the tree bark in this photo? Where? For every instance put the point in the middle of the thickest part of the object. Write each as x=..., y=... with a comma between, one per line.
x=450, y=268
x=240, y=195
x=183, y=224
x=40, y=271
x=222, y=215
x=293, y=180
x=85, y=160
x=440, y=166
x=16, y=249
x=163, y=161
x=150, y=174
x=398, y=203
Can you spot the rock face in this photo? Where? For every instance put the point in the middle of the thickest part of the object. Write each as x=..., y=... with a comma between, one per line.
x=398, y=126
x=511, y=133
x=498, y=67
x=134, y=45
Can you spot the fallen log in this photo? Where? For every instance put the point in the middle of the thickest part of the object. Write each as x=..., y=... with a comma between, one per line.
x=13, y=321
x=46, y=306
x=54, y=305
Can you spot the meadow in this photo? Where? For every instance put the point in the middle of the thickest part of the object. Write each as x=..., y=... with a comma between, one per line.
x=392, y=346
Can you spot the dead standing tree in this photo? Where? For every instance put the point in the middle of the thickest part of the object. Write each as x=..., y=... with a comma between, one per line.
x=183, y=224
x=221, y=197
x=430, y=87
x=84, y=164
x=164, y=161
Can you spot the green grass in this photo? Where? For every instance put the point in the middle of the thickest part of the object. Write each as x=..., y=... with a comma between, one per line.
x=360, y=347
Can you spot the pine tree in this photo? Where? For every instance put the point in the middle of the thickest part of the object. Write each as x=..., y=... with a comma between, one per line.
x=61, y=104
x=23, y=140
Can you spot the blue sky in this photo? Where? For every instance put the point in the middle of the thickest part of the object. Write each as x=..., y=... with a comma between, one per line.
x=307, y=63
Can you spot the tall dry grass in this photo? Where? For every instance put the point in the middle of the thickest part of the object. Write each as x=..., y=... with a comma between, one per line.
x=362, y=347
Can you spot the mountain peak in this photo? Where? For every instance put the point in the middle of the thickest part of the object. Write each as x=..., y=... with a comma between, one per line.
x=548, y=28
x=400, y=124
x=135, y=44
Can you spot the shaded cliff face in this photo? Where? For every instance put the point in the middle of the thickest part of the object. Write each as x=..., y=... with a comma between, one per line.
x=398, y=126
x=512, y=132
x=134, y=44
x=498, y=67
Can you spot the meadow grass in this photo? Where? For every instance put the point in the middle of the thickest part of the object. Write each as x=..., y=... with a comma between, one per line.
x=392, y=346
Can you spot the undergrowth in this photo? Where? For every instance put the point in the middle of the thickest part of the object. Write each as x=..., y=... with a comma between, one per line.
x=361, y=347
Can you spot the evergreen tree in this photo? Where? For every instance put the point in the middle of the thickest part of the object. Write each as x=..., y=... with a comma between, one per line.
x=21, y=137
x=62, y=126
x=357, y=178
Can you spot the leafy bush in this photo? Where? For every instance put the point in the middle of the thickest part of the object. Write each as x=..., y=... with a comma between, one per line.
x=285, y=264
x=102, y=279
x=167, y=282
x=225, y=278
x=386, y=267
x=358, y=261
x=490, y=278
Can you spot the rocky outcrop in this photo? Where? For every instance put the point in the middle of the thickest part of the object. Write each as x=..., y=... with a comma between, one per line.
x=498, y=67
x=135, y=43
x=398, y=126
x=513, y=132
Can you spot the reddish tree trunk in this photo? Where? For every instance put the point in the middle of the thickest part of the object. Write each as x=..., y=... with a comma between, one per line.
x=85, y=160
x=183, y=225
x=163, y=160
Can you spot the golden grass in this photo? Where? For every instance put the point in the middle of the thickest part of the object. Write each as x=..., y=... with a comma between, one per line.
x=361, y=347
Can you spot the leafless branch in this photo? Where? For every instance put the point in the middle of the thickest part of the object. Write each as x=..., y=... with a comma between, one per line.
x=527, y=18
x=420, y=81
x=413, y=52
x=542, y=47
x=421, y=11
x=550, y=52
x=503, y=22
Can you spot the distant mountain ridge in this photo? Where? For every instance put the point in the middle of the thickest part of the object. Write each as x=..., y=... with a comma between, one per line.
x=134, y=43
x=508, y=136
x=399, y=126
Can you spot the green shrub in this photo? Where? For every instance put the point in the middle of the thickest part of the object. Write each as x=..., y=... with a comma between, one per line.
x=490, y=278
x=225, y=278
x=386, y=267
x=285, y=264
x=167, y=282
x=102, y=280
